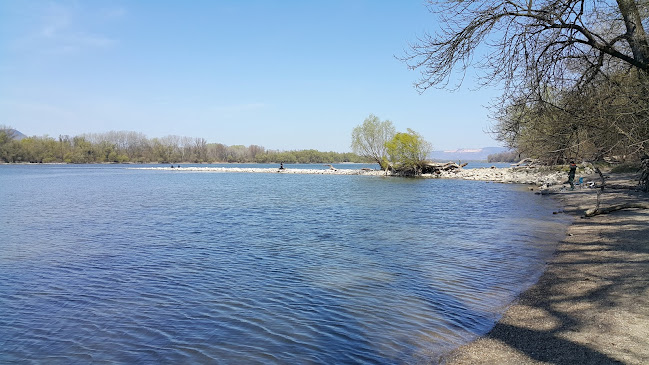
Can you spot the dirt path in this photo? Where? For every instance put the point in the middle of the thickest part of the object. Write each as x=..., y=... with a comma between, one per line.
x=591, y=306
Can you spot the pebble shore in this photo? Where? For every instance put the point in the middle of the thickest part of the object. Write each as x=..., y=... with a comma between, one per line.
x=508, y=175
x=502, y=175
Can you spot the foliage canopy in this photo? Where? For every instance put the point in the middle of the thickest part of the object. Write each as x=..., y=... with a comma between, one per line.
x=369, y=139
x=122, y=146
x=408, y=151
x=405, y=153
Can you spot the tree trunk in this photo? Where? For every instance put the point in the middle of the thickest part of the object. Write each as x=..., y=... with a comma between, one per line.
x=636, y=36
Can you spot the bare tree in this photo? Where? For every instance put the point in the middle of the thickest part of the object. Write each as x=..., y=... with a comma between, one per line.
x=532, y=44
x=575, y=73
x=217, y=152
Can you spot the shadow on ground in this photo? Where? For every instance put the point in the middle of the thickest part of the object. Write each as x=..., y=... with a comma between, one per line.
x=591, y=306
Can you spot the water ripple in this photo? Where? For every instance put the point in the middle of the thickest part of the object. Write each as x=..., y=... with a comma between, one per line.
x=114, y=265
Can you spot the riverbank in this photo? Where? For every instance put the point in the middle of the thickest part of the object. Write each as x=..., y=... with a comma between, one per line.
x=591, y=306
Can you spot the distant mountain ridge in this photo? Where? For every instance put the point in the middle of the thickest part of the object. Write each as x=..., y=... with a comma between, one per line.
x=14, y=134
x=466, y=154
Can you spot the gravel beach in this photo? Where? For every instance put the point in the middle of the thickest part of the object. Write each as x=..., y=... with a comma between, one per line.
x=503, y=175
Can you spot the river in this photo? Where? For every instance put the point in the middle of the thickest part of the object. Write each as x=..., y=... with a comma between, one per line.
x=100, y=263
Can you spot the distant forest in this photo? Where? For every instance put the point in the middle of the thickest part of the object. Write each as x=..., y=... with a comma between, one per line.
x=134, y=147
x=507, y=156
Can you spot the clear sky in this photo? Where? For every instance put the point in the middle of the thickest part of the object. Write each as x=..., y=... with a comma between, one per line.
x=289, y=74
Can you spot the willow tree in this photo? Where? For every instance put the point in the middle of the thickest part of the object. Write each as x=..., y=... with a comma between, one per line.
x=538, y=48
x=369, y=139
x=408, y=152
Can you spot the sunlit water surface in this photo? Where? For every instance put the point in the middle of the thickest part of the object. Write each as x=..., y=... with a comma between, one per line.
x=108, y=264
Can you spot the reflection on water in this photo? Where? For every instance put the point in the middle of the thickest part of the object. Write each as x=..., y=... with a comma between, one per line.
x=101, y=263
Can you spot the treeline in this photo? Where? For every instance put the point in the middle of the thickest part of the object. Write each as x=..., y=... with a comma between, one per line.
x=608, y=118
x=134, y=147
x=507, y=156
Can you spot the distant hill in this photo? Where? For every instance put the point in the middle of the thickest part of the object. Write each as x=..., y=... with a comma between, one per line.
x=14, y=134
x=466, y=154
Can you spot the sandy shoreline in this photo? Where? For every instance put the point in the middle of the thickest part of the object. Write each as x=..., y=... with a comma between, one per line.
x=591, y=306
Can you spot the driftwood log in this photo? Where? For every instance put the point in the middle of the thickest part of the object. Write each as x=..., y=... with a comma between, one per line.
x=436, y=167
x=613, y=208
x=597, y=210
x=526, y=162
x=617, y=187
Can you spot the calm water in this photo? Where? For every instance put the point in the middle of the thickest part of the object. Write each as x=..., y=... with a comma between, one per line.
x=108, y=264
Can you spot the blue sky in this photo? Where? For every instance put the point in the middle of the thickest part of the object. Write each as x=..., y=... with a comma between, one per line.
x=281, y=74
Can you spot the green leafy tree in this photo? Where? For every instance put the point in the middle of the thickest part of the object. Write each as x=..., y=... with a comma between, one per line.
x=408, y=152
x=119, y=147
x=369, y=139
x=5, y=140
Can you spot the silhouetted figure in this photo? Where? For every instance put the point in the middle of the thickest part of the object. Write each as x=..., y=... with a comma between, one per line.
x=281, y=166
x=571, y=175
x=644, y=173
